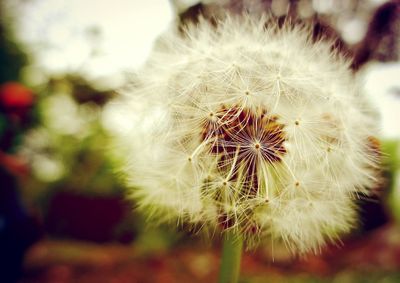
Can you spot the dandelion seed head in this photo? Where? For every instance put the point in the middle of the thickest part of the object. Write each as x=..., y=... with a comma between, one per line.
x=262, y=132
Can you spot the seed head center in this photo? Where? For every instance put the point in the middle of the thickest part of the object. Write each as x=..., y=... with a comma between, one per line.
x=236, y=130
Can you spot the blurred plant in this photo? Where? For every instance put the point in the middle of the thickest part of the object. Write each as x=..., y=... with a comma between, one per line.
x=68, y=149
x=16, y=106
x=18, y=229
x=12, y=58
x=71, y=170
x=252, y=128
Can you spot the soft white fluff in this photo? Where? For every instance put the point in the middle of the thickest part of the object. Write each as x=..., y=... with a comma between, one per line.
x=181, y=102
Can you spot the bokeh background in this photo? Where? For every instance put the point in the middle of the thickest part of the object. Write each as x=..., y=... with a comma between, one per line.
x=63, y=216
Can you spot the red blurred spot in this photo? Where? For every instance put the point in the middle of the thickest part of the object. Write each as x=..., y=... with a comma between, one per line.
x=15, y=95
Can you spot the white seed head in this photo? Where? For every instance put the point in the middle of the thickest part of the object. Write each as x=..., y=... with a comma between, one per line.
x=250, y=127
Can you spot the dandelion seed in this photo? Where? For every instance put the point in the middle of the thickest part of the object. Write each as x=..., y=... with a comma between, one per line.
x=262, y=132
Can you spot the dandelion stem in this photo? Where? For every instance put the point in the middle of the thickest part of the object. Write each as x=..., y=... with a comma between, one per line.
x=392, y=151
x=231, y=256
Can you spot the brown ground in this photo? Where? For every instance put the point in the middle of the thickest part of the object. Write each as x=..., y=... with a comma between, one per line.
x=373, y=258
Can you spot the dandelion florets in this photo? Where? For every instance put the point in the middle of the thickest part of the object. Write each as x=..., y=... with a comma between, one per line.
x=253, y=128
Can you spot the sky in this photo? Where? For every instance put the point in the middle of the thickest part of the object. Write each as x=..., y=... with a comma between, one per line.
x=99, y=38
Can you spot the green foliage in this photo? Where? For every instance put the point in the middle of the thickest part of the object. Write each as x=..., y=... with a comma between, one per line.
x=12, y=57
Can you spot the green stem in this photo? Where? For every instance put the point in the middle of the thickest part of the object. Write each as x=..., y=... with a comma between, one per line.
x=231, y=256
x=391, y=150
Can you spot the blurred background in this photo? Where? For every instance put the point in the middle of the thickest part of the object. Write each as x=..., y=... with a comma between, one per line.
x=63, y=217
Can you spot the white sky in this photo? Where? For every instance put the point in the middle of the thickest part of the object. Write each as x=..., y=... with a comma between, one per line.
x=382, y=85
x=57, y=32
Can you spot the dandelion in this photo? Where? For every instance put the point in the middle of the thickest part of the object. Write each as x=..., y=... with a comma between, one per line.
x=250, y=128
